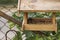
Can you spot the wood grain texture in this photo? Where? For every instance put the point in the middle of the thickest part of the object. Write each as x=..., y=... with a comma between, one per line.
x=40, y=21
x=40, y=27
x=40, y=5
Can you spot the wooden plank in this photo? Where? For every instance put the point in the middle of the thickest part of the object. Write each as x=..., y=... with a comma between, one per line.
x=40, y=21
x=40, y=5
x=2, y=14
x=40, y=27
x=46, y=19
x=40, y=10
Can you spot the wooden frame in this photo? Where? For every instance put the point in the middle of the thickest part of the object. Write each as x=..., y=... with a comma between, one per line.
x=39, y=6
x=39, y=27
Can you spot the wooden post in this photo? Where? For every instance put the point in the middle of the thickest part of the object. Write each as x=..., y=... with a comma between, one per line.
x=54, y=21
x=19, y=6
x=25, y=17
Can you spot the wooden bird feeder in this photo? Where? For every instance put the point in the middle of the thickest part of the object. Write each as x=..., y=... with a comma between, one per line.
x=41, y=24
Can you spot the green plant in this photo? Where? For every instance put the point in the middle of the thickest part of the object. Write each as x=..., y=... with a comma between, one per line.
x=8, y=1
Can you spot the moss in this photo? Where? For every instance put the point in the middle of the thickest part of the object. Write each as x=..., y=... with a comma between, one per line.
x=8, y=1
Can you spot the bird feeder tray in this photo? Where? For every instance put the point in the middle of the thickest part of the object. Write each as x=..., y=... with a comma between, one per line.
x=40, y=24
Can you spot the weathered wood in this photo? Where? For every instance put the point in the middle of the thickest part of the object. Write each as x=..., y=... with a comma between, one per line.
x=39, y=27
x=19, y=4
x=40, y=5
x=40, y=21
x=54, y=20
x=2, y=14
x=25, y=17
x=40, y=10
